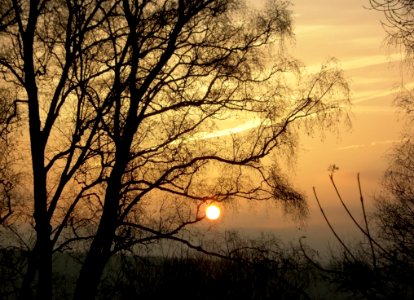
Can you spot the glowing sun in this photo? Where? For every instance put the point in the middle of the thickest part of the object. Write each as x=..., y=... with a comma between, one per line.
x=212, y=212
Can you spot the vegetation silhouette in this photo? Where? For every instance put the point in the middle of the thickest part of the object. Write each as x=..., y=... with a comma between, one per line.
x=8, y=176
x=381, y=265
x=126, y=110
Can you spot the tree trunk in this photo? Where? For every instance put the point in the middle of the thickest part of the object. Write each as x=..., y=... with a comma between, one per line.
x=95, y=261
x=90, y=275
x=43, y=248
x=44, y=259
x=100, y=249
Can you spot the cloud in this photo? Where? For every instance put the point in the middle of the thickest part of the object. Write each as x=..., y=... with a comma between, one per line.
x=370, y=60
x=253, y=123
x=370, y=95
x=360, y=62
x=374, y=109
x=377, y=93
x=371, y=144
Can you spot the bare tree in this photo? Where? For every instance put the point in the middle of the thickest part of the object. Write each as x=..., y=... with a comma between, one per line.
x=395, y=206
x=380, y=265
x=130, y=107
x=8, y=117
x=398, y=24
x=10, y=202
x=395, y=210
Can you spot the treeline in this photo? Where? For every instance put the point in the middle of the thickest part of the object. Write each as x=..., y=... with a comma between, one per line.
x=379, y=266
x=254, y=272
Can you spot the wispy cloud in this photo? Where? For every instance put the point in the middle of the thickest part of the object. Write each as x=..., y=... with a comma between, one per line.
x=299, y=30
x=361, y=97
x=375, y=94
x=374, y=109
x=361, y=62
x=366, y=61
x=228, y=131
x=371, y=144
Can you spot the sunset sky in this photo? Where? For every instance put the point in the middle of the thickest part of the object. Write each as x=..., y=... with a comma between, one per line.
x=351, y=33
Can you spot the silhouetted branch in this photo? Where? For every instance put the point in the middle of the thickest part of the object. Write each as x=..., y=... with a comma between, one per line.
x=368, y=234
x=331, y=227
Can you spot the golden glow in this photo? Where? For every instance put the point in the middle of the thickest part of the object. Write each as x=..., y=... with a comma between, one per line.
x=213, y=212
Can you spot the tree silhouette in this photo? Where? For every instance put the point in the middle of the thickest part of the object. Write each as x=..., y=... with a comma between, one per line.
x=394, y=213
x=398, y=21
x=380, y=265
x=399, y=25
x=129, y=105
x=8, y=177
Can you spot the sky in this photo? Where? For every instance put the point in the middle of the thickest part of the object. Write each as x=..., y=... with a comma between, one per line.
x=353, y=34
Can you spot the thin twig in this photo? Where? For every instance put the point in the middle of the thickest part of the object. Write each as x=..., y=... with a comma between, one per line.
x=330, y=226
x=364, y=232
x=368, y=234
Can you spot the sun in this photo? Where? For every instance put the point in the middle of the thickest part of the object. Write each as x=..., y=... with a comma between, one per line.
x=212, y=212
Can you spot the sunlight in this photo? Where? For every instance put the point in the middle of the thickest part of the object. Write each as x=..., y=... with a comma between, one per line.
x=212, y=212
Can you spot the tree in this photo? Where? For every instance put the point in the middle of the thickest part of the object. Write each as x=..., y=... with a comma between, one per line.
x=395, y=210
x=10, y=201
x=398, y=21
x=8, y=178
x=128, y=104
x=395, y=206
x=381, y=264
x=399, y=25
